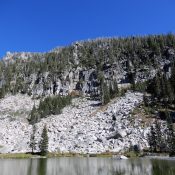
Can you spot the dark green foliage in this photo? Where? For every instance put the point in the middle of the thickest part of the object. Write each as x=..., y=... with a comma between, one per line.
x=98, y=54
x=49, y=106
x=113, y=89
x=34, y=116
x=172, y=79
x=170, y=135
x=110, y=92
x=140, y=86
x=155, y=87
x=152, y=139
x=145, y=100
x=162, y=88
x=105, y=94
x=155, y=138
x=32, y=140
x=53, y=105
x=131, y=77
x=2, y=92
x=162, y=140
x=159, y=139
x=44, y=142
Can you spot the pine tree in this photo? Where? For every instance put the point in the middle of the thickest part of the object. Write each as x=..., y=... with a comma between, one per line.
x=32, y=140
x=2, y=92
x=158, y=136
x=44, y=142
x=34, y=116
x=157, y=90
x=168, y=92
x=170, y=135
x=173, y=79
x=111, y=91
x=105, y=94
x=132, y=80
x=152, y=139
x=115, y=87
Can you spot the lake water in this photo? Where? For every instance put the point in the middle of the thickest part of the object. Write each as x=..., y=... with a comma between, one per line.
x=86, y=166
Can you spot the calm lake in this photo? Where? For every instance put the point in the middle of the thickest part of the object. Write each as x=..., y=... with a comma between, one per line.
x=86, y=166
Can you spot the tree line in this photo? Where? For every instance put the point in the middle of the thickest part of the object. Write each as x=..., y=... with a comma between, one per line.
x=137, y=51
x=162, y=139
x=51, y=105
x=43, y=145
x=162, y=87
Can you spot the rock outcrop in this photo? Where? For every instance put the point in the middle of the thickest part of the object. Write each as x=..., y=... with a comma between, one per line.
x=79, y=66
x=83, y=127
x=82, y=69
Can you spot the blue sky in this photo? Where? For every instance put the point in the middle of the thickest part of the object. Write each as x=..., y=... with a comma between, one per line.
x=40, y=25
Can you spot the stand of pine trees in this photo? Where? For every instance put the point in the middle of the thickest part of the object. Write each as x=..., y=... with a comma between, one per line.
x=44, y=142
x=43, y=145
x=162, y=88
x=49, y=106
x=138, y=52
x=162, y=140
x=108, y=93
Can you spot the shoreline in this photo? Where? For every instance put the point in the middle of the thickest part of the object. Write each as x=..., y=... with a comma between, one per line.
x=110, y=155
x=52, y=155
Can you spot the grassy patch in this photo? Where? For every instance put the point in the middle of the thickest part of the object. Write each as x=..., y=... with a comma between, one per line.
x=57, y=154
x=134, y=154
x=106, y=154
x=16, y=156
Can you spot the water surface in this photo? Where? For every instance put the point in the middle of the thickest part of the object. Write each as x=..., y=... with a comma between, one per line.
x=86, y=166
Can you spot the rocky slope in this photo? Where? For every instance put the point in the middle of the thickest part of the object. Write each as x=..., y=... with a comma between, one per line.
x=83, y=127
x=82, y=69
x=81, y=65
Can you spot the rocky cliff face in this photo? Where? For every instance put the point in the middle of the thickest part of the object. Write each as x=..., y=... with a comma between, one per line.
x=81, y=65
x=83, y=127
x=79, y=69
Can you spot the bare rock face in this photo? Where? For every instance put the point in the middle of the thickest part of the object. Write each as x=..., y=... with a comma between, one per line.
x=83, y=127
x=78, y=69
x=18, y=106
x=77, y=74
x=10, y=57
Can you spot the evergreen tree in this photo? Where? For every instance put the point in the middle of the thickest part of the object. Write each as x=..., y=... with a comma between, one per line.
x=155, y=139
x=111, y=91
x=34, y=116
x=49, y=106
x=157, y=89
x=152, y=139
x=158, y=136
x=2, y=92
x=172, y=79
x=170, y=135
x=145, y=100
x=115, y=87
x=167, y=90
x=132, y=80
x=32, y=140
x=105, y=94
x=44, y=142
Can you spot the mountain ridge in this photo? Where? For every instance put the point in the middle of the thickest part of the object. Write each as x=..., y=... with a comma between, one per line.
x=125, y=69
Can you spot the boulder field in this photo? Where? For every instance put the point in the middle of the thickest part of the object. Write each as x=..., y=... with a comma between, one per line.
x=83, y=127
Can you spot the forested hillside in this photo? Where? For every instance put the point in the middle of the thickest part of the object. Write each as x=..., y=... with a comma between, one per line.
x=65, y=87
x=84, y=65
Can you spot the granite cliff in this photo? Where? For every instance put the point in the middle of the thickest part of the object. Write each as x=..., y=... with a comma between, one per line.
x=79, y=70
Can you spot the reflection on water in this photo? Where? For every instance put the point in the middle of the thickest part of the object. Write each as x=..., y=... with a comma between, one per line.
x=86, y=166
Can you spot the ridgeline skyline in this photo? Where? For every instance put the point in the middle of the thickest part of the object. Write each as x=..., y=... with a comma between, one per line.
x=39, y=26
